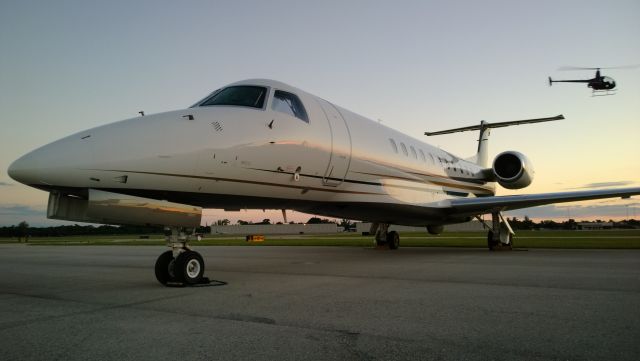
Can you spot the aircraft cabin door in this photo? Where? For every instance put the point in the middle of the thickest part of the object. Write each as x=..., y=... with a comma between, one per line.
x=340, y=146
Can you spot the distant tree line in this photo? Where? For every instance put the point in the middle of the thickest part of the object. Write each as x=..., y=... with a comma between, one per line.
x=23, y=230
x=312, y=220
x=570, y=224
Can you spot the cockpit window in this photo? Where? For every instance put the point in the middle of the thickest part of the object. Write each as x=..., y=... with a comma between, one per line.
x=240, y=95
x=289, y=104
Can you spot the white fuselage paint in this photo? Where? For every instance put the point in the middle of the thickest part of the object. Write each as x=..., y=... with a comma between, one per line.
x=228, y=157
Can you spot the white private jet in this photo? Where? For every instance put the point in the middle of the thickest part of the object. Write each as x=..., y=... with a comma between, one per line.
x=262, y=144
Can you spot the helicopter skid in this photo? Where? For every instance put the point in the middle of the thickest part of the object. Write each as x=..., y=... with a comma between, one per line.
x=602, y=93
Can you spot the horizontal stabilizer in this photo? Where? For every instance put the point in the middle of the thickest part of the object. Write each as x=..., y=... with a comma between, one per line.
x=485, y=125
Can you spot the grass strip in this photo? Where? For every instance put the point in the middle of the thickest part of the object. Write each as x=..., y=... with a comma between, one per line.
x=613, y=239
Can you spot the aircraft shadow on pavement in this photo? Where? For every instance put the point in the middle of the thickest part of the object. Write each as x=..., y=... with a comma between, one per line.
x=206, y=282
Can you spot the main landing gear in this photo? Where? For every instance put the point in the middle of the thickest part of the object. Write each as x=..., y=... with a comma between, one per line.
x=180, y=266
x=500, y=235
x=383, y=237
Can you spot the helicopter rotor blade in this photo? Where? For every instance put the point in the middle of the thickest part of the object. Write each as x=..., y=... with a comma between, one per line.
x=576, y=68
x=633, y=66
x=590, y=68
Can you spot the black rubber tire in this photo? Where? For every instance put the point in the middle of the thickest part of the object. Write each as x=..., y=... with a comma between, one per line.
x=162, y=267
x=490, y=242
x=189, y=267
x=381, y=243
x=393, y=240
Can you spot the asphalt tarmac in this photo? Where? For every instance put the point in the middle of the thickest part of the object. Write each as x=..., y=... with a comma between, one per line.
x=310, y=303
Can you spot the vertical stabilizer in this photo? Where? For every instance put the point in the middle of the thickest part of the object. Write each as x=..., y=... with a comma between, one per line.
x=482, y=155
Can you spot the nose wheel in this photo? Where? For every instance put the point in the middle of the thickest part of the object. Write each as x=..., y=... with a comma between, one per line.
x=164, y=268
x=180, y=266
x=189, y=267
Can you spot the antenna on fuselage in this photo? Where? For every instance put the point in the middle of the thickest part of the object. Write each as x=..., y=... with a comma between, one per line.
x=484, y=128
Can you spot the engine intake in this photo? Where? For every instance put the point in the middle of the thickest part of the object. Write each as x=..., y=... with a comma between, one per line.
x=512, y=170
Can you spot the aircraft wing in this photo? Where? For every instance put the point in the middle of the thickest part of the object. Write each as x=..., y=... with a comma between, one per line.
x=482, y=205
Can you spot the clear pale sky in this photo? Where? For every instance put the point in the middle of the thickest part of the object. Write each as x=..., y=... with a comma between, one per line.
x=416, y=65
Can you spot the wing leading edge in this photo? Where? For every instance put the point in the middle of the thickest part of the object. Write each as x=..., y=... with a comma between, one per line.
x=482, y=205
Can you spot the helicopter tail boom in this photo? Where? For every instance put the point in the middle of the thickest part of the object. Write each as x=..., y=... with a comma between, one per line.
x=568, y=81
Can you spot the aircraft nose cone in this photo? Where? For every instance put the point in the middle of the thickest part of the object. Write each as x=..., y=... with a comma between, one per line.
x=25, y=169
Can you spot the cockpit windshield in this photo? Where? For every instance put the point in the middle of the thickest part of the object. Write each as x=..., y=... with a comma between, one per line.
x=240, y=95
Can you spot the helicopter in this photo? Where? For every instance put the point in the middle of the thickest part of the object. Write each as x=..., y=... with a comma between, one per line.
x=598, y=84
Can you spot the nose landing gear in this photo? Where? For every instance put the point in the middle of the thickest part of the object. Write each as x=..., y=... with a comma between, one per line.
x=180, y=266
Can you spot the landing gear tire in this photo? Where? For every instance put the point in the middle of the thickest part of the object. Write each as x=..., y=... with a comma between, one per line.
x=497, y=245
x=490, y=242
x=381, y=243
x=164, y=268
x=393, y=240
x=189, y=267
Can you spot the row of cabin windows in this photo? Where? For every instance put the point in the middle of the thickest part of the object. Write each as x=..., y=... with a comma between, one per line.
x=254, y=97
x=444, y=162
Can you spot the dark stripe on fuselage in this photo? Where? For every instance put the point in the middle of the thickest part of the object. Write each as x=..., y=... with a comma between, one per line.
x=449, y=185
x=484, y=190
x=320, y=177
x=328, y=189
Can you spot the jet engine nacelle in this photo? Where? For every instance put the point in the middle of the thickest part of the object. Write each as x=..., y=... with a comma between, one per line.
x=512, y=170
x=115, y=208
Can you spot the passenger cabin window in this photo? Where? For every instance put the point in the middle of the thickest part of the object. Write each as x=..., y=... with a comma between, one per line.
x=404, y=149
x=288, y=103
x=241, y=95
x=393, y=145
x=413, y=152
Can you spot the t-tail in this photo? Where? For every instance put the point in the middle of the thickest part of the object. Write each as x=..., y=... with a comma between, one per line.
x=481, y=157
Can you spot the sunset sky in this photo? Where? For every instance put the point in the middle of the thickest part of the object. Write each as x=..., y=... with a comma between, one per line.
x=417, y=66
